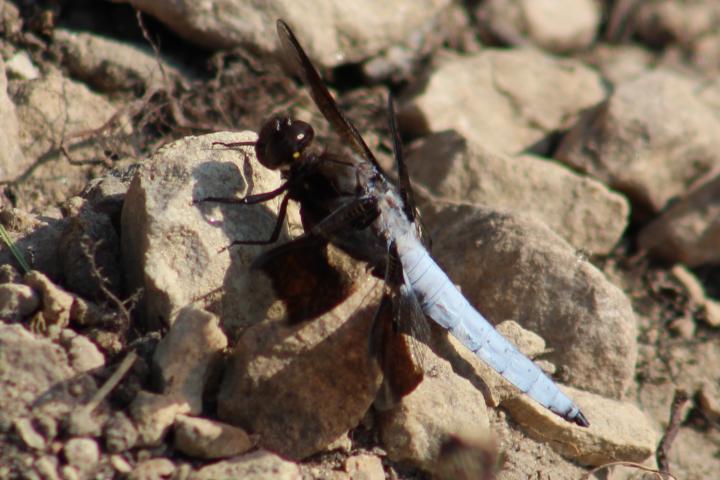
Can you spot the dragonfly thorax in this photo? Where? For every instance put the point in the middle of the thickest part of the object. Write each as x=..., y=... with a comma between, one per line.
x=282, y=141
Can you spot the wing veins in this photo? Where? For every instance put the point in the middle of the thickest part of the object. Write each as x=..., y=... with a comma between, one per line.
x=321, y=95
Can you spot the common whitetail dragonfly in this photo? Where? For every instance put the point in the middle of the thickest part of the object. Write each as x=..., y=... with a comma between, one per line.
x=349, y=201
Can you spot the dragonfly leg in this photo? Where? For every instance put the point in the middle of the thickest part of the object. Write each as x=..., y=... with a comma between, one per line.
x=282, y=212
x=233, y=145
x=249, y=199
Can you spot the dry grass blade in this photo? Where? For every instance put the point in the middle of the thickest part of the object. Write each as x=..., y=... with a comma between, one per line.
x=16, y=253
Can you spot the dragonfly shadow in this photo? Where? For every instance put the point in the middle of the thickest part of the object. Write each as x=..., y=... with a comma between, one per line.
x=237, y=222
x=280, y=374
x=305, y=281
x=442, y=347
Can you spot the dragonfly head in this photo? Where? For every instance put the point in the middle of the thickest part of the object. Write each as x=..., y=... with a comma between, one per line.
x=282, y=141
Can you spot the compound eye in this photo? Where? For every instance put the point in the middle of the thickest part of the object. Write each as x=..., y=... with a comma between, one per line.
x=300, y=135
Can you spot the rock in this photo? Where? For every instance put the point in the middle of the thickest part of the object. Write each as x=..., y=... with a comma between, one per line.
x=443, y=405
x=12, y=159
x=86, y=423
x=527, y=456
x=108, y=64
x=186, y=354
x=82, y=453
x=176, y=251
x=526, y=341
x=10, y=19
x=68, y=472
x=153, y=415
x=343, y=443
x=578, y=208
x=709, y=400
x=712, y=313
x=512, y=267
x=47, y=467
x=530, y=95
x=21, y=66
x=403, y=59
x=9, y=274
x=84, y=354
x=334, y=35
x=279, y=374
x=555, y=25
x=89, y=237
x=56, y=302
x=621, y=63
x=54, y=111
x=618, y=431
x=706, y=52
x=257, y=465
x=688, y=231
x=467, y=458
x=208, y=439
x=494, y=387
x=153, y=468
x=119, y=464
x=90, y=229
x=661, y=22
x=650, y=140
x=26, y=431
x=683, y=327
x=43, y=364
x=364, y=467
x=120, y=433
x=17, y=302
x=36, y=237
x=689, y=456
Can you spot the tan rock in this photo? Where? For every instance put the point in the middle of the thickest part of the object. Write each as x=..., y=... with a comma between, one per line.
x=257, y=465
x=512, y=267
x=280, y=374
x=153, y=468
x=581, y=210
x=331, y=35
x=176, y=251
x=529, y=94
x=56, y=302
x=689, y=230
x=555, y=25
x=208, y=439
x=618, y=431
x=154, y=415
x=652, y=138
x=17, y=301
x=444, y=404
x=186, y=354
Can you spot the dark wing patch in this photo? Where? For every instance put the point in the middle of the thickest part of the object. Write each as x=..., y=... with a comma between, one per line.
x=404, y=185
x=321, y=96
x=391, y=350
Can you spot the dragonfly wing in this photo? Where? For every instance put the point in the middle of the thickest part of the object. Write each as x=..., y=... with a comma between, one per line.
x=392, y=350
x=321, y=95
x=404, y=185
x=397, y=334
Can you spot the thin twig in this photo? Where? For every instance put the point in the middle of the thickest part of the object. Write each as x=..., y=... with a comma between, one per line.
x=112, y=382
x=663, y=451
x=658, y=473
x=90, y=249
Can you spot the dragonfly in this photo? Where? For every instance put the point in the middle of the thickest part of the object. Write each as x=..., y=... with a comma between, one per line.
x=349, y=201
